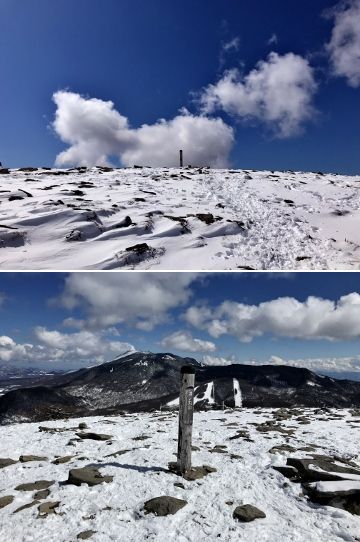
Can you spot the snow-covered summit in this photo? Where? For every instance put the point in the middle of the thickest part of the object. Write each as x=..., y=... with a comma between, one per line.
x=146, y=218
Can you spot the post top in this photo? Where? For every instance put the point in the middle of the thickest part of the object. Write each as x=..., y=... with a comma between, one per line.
x=188, y=369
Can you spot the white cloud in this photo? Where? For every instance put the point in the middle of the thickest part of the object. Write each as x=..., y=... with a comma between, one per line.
x=278, y=93
x=315, y=318
x=329, y=366
x=137, y=299
x=216, y=360
x=332, y=366
x=344, y=45
x=67, y=348
x=94, y=131
x=183, y=340
x=273, y=39
x=231, y=45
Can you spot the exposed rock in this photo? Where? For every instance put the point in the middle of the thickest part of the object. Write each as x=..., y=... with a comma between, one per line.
x=84, y=535
x=47, y=508
x=343, y=493
x=27, y=458
x=40, y=484
x=119, y=452
x=61, y=460
x=7, y=499
x=4, y=171
x=164, y=505
x=94, y=436
x=321, y=468
x=87, y=475
x=43, y=494
x=6, y=461
x=140, y=248
x=248, y=512
x=28, y=505
x=124, y=223
x=74, y=235
x=208, y=218
x=281, y=448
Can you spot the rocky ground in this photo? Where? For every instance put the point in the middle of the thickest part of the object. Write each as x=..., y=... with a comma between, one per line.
x=146, y=218
x=263, y=474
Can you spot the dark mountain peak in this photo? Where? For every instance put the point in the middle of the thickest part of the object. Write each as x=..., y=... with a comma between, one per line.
x=142, y=380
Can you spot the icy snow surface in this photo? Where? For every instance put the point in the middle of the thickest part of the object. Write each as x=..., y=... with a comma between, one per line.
x=261, y=219
x=115, y=510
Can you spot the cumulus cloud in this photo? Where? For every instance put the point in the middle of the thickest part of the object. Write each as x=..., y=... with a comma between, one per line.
x=315, y=318
x=218, y=360
x=67, y=348
x=278, y=92
x=142, y=300
x=183, y=340
x=344, y=45
x=94, y=131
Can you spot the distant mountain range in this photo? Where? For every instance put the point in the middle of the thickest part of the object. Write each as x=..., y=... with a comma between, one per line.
x=142, y=381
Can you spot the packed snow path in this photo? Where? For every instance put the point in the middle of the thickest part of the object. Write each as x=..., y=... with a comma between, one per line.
x=145, y=218
x=137, y=457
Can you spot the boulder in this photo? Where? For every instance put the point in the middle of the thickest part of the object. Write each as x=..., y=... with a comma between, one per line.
x=164, y=505
x=94, y=436
x=7, y=499
x=87, y=475
x=27, y=458
x=6, y=461
x=47, y=508
x=40, y=484
x=84, y=535
x=248, y=512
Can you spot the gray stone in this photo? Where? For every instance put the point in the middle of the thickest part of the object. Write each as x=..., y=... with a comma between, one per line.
x=84, y=535
x=7, y=499
x=94, y=436
x=61, y=460
x=248, y=512
x=40, y=484
x=87, y=475
x=47, y=508
x=43, y=494
x=82, y=425
x=27, y=458
x=25, y=506
x=326, y=469
x=6, y=461
x=163, y=506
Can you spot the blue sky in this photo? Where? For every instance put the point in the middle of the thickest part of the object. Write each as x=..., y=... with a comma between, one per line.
x=149, y=58
x=66, y=320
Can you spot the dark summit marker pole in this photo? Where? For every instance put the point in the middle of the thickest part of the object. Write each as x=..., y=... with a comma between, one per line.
x=186, y=410
x=181, y=158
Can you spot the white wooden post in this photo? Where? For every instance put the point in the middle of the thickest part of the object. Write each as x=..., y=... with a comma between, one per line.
x=186, y=411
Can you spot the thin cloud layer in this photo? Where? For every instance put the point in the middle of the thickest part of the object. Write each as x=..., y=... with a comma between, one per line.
x=95, y=131
x=315, y=318
x=142, y=300
x=278, y=92
x=329, y=366
x=344, y=45
x=183, y=340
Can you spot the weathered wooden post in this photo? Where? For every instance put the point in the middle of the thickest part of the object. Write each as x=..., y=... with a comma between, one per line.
x=181, y=158
x=186, y=410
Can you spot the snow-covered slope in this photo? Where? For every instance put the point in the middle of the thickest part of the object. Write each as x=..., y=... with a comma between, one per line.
x=181, y=219
x=245, y=475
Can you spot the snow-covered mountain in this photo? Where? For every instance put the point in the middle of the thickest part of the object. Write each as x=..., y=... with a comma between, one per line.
x=142, y=381
x=190, y=218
